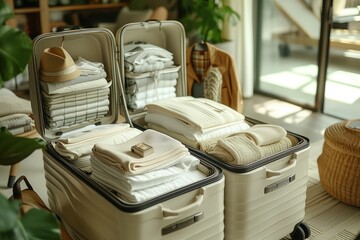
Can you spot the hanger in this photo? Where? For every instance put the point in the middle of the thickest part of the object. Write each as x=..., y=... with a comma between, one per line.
x=201, y=46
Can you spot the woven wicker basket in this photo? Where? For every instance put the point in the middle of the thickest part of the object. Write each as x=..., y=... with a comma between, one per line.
x=339, y=163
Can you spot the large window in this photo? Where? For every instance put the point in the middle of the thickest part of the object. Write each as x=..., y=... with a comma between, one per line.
x=292, y=67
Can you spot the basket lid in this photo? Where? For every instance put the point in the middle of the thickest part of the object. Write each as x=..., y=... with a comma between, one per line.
x=345, y=136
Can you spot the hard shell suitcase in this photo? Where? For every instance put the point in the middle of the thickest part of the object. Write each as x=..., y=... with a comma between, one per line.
x=91, y=211
x=263, y=200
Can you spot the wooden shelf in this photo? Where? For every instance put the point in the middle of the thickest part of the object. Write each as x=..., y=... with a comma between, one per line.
x=87, y=7
x=44, y=10
x=26, y=10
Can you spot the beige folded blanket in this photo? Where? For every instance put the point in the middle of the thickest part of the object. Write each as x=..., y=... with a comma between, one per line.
x=166, y=152
x=200, y=113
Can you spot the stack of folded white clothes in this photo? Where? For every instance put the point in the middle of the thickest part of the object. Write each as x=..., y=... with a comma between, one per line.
x=255, y=143
x=73, y=93
x=15, y=113
x=76, y=146
x=194, y=120
x=146, y=166
x=150, y=74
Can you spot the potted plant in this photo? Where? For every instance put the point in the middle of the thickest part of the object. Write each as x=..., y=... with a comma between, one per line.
x=205, y=18
x=15, y=52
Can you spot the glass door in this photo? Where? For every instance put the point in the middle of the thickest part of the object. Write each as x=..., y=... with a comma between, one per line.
x=290, y=66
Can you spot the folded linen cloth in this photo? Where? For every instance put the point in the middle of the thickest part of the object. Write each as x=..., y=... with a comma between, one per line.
x=88, y=72
x=240, y=150
x=83, y=86
x=75, y=119
x=199, y=113
x=83, y=164
x=148, y=66
x=152, y=93
x=143, y=79
x=141, y=88
x=166, y=152
x=121, y=182
x=70, y=104
x=73, y=97
x=140, y=104
x=78, y=108
x=170, y=123
x=79, y=114
x=81, y=146
x=11, y=104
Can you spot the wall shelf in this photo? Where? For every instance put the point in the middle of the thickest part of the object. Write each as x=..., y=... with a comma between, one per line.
x=43, y=11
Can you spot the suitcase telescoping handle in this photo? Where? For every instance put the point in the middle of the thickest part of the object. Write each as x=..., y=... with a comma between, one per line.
x=199, y=198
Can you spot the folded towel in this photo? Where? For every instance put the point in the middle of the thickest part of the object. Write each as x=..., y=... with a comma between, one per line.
x=166, y=152
x=121, y=182
x=11, y=104
x=15, y=120
x=21, y=130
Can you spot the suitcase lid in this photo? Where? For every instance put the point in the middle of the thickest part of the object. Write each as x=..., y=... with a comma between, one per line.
x=93, y=44
x=168, y=34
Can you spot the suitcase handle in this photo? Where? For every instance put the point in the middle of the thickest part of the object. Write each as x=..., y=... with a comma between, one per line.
x=199, y=198
x=273, y=173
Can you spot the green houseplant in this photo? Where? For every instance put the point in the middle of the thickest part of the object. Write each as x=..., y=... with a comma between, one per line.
x=205, y=18
x=15, y=52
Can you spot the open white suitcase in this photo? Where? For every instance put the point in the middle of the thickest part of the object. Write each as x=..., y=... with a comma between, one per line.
x=90, y=211
x=263, y=200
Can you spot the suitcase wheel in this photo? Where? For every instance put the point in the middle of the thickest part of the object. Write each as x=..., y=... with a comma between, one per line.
x=301, y=231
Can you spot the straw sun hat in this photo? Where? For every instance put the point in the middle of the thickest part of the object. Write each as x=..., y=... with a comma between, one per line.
x=339, y=163
x=56, y=65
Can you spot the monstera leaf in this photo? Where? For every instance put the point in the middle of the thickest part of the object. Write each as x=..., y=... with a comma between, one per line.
x=14, y=149
x=15, y=47
x=36, y=224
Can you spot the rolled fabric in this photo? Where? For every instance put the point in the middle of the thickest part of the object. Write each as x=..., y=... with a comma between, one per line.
x=265, y=134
